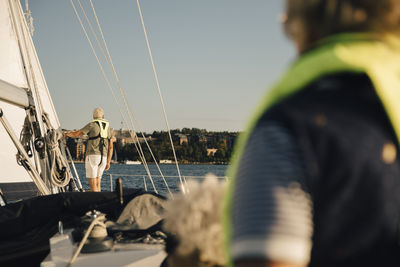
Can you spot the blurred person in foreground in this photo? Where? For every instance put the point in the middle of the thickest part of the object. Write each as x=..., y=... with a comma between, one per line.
x=99, y=147
x=193, y=225
x=316, y=176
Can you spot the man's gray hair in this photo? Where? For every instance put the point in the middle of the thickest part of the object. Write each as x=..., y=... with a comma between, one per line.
x=98, y=113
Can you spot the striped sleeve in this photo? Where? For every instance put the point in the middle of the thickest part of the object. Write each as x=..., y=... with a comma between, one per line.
x=271, y=212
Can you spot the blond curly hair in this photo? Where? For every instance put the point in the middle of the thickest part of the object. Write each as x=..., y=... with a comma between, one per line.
x=195, y=220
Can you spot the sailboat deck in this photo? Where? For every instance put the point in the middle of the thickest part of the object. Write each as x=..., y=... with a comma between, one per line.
x=132, y=255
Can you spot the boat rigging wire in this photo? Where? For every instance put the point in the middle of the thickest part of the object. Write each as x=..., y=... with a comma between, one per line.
x=40, y=73
x=159, y=93
x=129, y=109
x=28, y=70
x=24, y=158
x=29, y=18
x=97, y=59
x=60, y=174
x=78, y=180
x=138, y=148
x=28, y=64
x=51, y=157
x=109, y=61
x=84, y=239
x=137, y=144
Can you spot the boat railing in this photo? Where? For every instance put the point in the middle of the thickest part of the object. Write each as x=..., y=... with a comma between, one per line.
x=145, y=178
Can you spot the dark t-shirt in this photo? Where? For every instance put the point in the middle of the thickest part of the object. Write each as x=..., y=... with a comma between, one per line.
x=92, y=129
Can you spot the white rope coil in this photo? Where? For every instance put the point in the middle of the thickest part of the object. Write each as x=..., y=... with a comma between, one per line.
x=60, y=173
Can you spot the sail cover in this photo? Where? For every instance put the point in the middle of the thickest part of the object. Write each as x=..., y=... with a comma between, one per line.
x=19, y=66
x=22, y=243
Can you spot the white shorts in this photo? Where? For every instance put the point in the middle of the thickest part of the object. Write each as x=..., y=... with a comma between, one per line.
x=93, y=170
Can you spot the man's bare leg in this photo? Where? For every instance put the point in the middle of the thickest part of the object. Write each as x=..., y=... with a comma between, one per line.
x=98, y=181
x=93, y=184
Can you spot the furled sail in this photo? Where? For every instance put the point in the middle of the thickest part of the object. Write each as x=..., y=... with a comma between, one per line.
x=19, y=69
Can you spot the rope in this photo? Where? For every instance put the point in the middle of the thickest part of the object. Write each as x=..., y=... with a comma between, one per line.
x=26, y=136
x=92, y=29
x=130, y=112
x=25, y=44
x=31, y=28
x=29, y=18
x=28, y=65
x=24, y=158
x=103, y=72
x=57, y=161
x=155, y=161
x=159, y=92
x=97, y=59
x=85, y=237
x=60, y=174
x=140, y=151
x=23, y=47
x=75, y=171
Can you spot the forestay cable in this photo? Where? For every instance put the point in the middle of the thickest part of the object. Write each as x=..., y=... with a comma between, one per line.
x=29, y=18
x=128, y=108
x=29, y=57
x=140, y=151
x=159, y=93
x=97, y=59
x=109, y=61
x=111, y=64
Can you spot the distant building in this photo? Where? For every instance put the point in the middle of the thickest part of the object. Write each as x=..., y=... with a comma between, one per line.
x=211, y=151
x=202, y=138
x=142, y=140
x=166, y=161
x=182, y=138
x=125, y=137
x=80, y=147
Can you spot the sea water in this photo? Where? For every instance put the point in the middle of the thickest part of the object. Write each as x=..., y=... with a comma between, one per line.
x=136, y=176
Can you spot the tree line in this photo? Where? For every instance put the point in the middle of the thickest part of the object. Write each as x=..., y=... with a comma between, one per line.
x=191, y=146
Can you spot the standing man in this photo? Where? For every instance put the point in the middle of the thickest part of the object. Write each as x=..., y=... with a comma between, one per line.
x=99, y=147
x=315, y=180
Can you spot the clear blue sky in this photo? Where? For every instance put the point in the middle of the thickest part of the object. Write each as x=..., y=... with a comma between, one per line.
x=215, y=60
